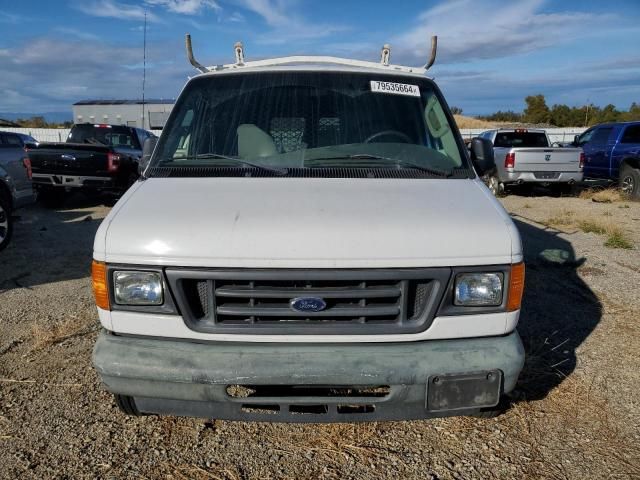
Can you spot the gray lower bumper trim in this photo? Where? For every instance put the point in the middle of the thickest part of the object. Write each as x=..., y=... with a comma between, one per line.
x=184, y=378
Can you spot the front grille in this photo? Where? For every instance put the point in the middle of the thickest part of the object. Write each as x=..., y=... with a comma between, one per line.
x=368, y=301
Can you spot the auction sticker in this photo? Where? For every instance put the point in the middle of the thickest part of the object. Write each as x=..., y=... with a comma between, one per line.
x=395, y=88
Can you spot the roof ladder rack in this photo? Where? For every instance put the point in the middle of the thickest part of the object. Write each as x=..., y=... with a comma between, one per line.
x=384, y=64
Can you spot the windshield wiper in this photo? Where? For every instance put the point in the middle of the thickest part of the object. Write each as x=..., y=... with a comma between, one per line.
x=397, y=161
x=277, y=171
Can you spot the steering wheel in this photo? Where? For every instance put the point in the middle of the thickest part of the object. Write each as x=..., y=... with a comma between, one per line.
x=385, y=133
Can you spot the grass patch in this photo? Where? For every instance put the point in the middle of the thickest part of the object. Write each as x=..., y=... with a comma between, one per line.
x=47, y=335
x=591, y=226
x=617, y=239
x=606, y=195
x=565, y=217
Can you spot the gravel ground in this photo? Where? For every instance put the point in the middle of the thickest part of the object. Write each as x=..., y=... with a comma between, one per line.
x=575, y=413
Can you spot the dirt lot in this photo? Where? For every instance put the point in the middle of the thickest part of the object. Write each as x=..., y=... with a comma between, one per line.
x=575, y=413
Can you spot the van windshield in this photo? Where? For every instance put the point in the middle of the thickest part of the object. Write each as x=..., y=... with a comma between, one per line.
x=293, y=119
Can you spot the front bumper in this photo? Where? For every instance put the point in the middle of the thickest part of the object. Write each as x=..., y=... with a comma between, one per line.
x=72, y=181
x=425, y=379
x=541, y=177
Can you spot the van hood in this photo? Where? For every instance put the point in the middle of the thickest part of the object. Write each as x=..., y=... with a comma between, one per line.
x=308, y=223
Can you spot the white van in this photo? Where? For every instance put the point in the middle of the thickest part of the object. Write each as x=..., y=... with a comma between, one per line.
x=309, y=242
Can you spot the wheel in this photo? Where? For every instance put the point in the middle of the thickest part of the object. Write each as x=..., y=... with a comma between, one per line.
x=6, y=223
x=126, y=404
x=629, y=181
x=52, y=197
x=494, y=185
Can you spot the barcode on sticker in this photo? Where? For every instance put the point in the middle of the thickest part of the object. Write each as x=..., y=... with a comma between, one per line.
x=395, y=88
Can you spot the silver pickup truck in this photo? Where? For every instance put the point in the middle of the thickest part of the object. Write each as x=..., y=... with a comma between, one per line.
x=525, y=156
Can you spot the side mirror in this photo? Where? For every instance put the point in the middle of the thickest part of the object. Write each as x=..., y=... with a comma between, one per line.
x=482, y=155
x=575, y=140
x=147, y=150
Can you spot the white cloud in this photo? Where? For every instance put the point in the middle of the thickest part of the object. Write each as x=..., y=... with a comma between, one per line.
x=470, y=29
x=273, y=12
x=185, y=7
x=114, y=9
x=235, y=17
x=96, y=69
x=286, y=24
x=74, y=32
x=10, y=18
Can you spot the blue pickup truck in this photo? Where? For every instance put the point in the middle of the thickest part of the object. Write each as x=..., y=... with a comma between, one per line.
x=612, y=151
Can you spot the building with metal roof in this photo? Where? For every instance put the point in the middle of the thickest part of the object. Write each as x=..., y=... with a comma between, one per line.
x=151, y=115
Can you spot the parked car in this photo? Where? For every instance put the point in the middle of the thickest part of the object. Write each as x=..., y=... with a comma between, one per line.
x=299, y=250
x=15, y=180
x=525, y=156
x=612, y=151
x=94, y=157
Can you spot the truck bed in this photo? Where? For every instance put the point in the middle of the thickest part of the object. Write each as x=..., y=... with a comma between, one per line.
x=70, y=159
x=542, y=159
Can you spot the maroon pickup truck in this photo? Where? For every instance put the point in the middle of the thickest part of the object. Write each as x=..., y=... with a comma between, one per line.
x=94, y=157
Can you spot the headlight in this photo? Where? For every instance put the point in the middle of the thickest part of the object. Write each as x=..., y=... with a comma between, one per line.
x=478, y=289
x=138, y=288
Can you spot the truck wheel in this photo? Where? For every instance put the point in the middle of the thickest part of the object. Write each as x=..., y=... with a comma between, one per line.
x=6, y=223
x=126, y=404
x=52, y=197
x=494, y=185
x=629, y=181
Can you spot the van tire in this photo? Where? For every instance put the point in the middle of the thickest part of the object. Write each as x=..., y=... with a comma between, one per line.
x=6, y=222
x=629, y=181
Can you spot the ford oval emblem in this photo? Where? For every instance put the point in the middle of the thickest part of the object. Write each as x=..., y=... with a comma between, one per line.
x=308, y=304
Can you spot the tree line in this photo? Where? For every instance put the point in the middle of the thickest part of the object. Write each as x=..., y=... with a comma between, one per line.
x=40, y=122
x=537, y=111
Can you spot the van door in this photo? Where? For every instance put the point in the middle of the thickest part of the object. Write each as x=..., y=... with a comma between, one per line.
x=596, y=152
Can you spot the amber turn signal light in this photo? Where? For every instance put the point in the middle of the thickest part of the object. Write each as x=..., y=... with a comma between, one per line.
x=516, y=287
x=99, y=281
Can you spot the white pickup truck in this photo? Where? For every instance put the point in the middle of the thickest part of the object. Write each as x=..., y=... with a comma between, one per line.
x=298, y=250
x=525, y=156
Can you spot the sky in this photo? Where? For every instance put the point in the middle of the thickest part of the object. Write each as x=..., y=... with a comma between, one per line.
x=491, y=53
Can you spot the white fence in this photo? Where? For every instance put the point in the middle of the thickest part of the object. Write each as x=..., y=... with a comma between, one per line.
x=563, y=135
x=42, y=134
x=48, y=134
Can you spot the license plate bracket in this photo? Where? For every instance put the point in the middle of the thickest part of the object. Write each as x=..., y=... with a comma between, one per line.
x=464, y=391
